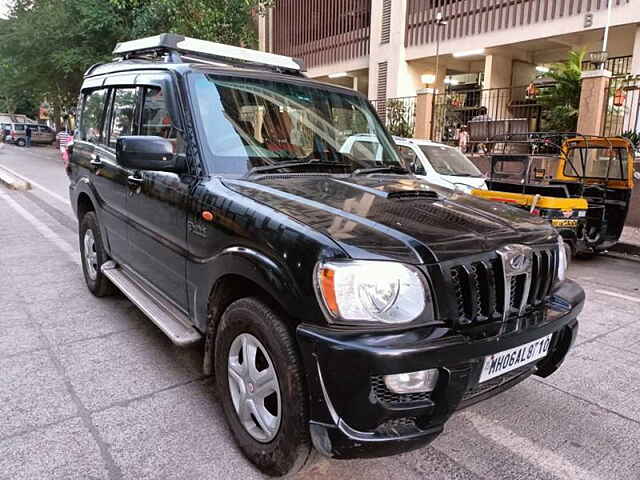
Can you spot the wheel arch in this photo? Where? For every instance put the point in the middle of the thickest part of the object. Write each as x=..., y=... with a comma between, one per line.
x=84, y=204
x=246, y=273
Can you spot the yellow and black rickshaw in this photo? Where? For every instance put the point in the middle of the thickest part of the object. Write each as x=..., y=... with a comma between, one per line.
x=584, y=187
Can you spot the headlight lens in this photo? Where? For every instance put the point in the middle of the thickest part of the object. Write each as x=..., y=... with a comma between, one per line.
x=358, y=291
x=563, y=260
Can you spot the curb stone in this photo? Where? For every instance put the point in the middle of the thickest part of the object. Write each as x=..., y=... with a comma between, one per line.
x=12, y=182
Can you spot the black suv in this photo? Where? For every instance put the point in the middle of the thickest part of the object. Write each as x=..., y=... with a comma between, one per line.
x=344, y=304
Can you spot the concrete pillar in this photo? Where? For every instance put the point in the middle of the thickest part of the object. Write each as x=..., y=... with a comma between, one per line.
x=424, y=113
x=402, y=79
x=632, y=117
x=497, y=75
x=263, y=26
x=635, y=59
x=593, y=101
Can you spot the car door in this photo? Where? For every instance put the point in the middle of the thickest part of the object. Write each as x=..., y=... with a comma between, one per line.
x=93, y=152
x=158, y=201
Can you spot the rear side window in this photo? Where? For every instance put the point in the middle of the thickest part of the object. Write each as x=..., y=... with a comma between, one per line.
x=123, y=114
x=92, y=112
x=19, y=128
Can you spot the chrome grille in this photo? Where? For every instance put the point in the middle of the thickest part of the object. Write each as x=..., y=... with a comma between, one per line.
x=482, y=292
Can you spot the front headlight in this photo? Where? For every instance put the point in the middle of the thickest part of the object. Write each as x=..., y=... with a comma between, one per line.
x=563, y=259
x=360, y=291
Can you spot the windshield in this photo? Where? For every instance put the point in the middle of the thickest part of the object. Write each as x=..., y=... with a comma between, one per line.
x=449, y=161
x=597, y=163
x=255, y=124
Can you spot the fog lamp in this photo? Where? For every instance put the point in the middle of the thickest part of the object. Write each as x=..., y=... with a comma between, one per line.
x=412, y=382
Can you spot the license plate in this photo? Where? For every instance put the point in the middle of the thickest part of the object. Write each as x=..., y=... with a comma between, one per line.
x=508, y=360
x=561, y=222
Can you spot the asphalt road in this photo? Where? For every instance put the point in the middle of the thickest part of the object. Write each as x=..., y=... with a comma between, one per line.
x=90, y=389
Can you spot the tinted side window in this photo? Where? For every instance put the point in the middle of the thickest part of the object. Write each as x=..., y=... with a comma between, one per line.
x=92, y=111
x=156, y=118
x=123, y=114
x=44, y=129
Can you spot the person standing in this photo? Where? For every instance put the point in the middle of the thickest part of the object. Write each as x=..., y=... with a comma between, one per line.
x=28, y=135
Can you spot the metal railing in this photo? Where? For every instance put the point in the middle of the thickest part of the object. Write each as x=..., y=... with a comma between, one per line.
x=487, y=113
x=398, y=115
x=618, y=66
x=622, y=112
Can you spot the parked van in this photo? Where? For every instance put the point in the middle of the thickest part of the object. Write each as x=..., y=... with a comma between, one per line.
x=39, y=134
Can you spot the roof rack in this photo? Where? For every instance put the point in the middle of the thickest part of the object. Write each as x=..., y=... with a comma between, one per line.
x=203, y=51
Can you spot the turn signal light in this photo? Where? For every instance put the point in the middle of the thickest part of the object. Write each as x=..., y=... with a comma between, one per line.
x=327, y=285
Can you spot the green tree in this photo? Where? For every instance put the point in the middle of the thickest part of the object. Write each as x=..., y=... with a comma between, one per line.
x=47, y=45
x=225, y=21
x=563, y=99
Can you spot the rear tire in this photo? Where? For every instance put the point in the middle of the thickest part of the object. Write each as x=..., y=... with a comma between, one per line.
x=93, y=255
x=21, y=142
x=284, y=447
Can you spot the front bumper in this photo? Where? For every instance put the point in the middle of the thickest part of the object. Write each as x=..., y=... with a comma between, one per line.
x=353, y=415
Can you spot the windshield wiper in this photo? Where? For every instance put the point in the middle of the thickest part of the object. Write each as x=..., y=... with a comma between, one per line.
x=388, y=169
x=305, y=164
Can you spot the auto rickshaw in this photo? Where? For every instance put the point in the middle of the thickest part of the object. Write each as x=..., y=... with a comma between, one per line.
x=584, y=189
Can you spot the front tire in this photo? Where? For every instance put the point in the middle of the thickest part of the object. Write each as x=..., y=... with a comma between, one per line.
x=93, y=255
x=260, y=381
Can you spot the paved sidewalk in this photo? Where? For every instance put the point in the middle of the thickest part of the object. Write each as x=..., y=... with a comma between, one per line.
x=91, y=389
x=631, y=236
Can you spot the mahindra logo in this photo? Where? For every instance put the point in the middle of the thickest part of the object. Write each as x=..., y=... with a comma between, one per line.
x=518, y=262
x=516, y=258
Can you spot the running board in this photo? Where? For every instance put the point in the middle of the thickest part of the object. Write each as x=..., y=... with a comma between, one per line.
x=172, y=322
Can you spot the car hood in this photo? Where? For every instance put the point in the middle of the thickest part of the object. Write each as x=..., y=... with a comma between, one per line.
x=396, y=217
x=473, y=182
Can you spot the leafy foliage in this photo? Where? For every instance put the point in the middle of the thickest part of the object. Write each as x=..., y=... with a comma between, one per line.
x=634, y=138
x=563, y=99
x=400, y=120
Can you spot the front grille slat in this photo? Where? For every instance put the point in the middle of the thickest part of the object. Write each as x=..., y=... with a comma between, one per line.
x=481, y=295
x=548, y=270
x=472, y=294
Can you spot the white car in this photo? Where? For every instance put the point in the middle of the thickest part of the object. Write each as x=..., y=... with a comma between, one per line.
x=441, y=164
x=434, y=162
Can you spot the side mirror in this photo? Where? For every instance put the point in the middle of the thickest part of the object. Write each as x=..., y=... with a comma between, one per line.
x=636, y=175
x=148, y=153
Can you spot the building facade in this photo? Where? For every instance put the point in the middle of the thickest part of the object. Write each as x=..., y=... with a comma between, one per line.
x=384, y=47
x=473, y=52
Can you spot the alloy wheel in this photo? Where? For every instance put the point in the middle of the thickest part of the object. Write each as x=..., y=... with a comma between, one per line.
x=254, y=387
x=90, y=254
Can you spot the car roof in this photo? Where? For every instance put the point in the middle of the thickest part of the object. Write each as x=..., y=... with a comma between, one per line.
x=138, y=65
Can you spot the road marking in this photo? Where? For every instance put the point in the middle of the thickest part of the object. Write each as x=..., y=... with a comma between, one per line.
x=37, y=185
x=44, y=230
x=557, y=465
x=619, y=295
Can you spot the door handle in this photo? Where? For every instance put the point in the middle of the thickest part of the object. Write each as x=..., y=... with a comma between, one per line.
x=95, y=160
x=135, y=181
